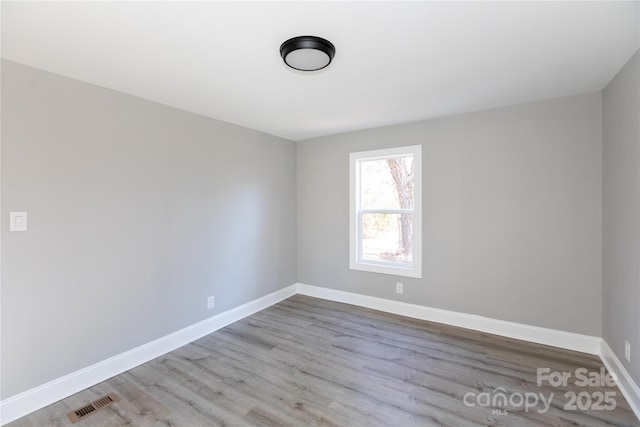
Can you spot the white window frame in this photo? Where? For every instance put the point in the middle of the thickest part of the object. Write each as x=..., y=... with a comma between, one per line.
x=355, y=213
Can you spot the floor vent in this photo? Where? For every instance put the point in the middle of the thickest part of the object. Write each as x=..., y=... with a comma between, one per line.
x=92, y=408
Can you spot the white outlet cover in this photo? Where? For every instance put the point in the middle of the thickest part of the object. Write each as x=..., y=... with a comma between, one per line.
x=627, y=351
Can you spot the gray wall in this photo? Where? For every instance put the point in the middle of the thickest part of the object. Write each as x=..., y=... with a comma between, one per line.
x=137, y=213
x=621, y=214
x=512, y=213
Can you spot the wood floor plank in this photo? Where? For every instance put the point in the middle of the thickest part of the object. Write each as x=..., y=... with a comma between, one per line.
x=312, y=362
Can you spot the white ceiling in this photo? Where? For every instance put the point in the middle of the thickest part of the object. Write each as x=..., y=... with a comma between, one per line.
x=395, y=62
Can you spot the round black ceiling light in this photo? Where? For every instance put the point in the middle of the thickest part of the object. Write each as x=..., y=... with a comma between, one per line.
x=307, y=53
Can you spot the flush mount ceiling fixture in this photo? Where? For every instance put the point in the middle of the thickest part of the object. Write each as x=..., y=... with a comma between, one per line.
x=307, y=53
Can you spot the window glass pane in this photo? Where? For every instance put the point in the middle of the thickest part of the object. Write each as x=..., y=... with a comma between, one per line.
x=387, y=183
x=387, y=237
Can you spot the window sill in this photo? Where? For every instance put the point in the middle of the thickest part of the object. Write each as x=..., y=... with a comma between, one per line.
x=386, y=269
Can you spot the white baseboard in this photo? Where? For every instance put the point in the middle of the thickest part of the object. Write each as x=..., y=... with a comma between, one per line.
x=627, y=386
x=31, y=400
x=552, y=337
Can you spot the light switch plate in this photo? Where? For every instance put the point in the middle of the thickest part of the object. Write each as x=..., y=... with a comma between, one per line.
x=17, y=221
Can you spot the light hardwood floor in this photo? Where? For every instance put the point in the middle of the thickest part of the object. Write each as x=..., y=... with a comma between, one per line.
x=310, y=362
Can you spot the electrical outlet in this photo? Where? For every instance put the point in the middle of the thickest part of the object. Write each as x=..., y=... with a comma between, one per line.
x=211, y=302
x=399, y=288
x=627, y=351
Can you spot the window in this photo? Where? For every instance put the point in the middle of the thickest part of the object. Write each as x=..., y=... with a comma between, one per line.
x=386, y=217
